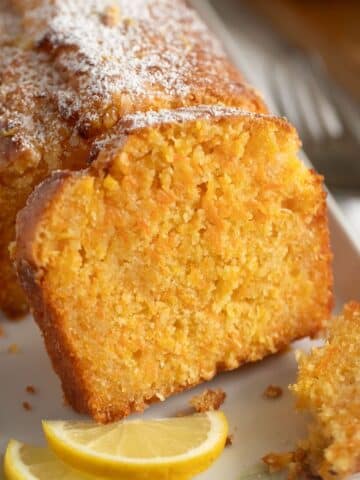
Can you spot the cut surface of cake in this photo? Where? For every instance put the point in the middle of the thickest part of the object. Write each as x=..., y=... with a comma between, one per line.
x=329, y=387
x=70, y=69
x=195, y=242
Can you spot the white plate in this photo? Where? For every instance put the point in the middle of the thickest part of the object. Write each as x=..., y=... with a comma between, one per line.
x=258, y=425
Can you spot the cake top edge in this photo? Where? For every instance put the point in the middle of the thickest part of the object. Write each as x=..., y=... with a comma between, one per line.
x=154, y=118
x=150, y=118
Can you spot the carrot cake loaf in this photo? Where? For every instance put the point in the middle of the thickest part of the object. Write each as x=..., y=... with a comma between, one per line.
x=195, y=241
x=70, y=69
x=329, y=387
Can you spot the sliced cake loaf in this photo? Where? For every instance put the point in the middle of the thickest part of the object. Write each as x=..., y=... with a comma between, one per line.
x=70, y=69
x=195, y=242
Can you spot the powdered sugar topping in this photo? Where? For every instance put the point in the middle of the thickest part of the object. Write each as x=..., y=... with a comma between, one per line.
x=75, y=67
x=155, y=48
x=180, y=115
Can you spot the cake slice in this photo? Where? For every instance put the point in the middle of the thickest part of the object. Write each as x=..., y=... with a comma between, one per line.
x=195, y=242
x=329, y=387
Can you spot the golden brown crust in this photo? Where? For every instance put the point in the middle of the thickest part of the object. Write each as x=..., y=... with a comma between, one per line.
x=322, y=222
x=37, y=203
x=30, y=277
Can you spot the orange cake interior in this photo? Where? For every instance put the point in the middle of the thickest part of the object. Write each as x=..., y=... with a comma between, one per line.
x=196, y=242
x=329, y=387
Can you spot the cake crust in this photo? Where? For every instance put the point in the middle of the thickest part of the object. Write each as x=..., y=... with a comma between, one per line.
x=60, y=353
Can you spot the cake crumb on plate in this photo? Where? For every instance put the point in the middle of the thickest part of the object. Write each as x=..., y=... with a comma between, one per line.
x=208, y=400
x=30, y=389
x=293, y=462
x=27, y=406
x=273, y=391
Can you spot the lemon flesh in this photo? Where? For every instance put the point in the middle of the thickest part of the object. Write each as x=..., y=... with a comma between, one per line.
x=24, y=462
x=174, y=448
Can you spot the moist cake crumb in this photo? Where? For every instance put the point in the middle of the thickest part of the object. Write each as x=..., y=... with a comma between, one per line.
x=293, y=462
x=328, y=387
x=31, y=389
x=278, y=461
x=27, y=406
x=208, y=400
x=273, y=391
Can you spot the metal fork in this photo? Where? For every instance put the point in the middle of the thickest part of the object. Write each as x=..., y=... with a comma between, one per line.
x=328, y=124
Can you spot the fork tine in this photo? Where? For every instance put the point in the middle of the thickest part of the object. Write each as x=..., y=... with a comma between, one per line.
x=304, y=95
x=349, y=118
x=281, y=86
x=347, y=115
x=308, y=102
x=266, y=86
x=328, y=114
x=292, y=98
x=257, y=74
x=308, y=124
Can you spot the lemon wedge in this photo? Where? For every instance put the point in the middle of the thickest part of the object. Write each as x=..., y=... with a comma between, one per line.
x=23, y=462
x=173, y=448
